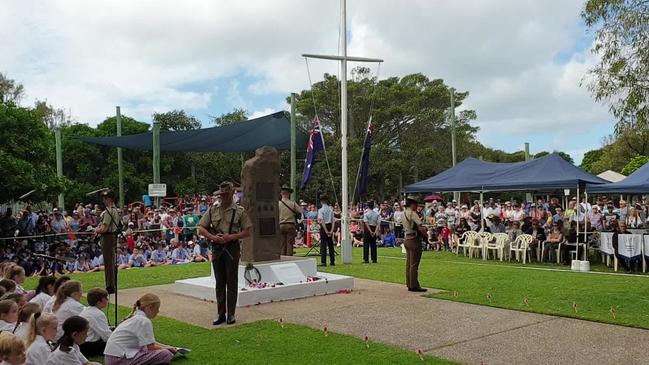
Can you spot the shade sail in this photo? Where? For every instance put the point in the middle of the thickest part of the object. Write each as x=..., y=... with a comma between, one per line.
x=270, y=130
x=636, y=183
x=547, y=173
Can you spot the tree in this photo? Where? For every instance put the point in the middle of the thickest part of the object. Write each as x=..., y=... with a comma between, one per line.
x=176, y=120
x=563, y=155
x=236, y=115
x=590, y=158
x=621, y=77
x=26, y=155
x=51, y=116
x=10, y=90
x=635, y=163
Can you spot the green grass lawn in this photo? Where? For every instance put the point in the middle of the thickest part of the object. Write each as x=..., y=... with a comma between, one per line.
x=266, y=342
x=549, y=292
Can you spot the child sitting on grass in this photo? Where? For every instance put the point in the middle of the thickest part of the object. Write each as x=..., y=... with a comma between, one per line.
x=75, y=331
x=8, y=315
x=17, y=274
x=67, y=303
x=44, y=290
x=12, y=349
x=42, y=332
x=24, y=316
x=99, y=329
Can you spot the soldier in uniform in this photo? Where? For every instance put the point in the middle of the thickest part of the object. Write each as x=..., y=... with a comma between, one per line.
x=413, y=230
x=289, y=212
x=224, y=225
x=108, y=228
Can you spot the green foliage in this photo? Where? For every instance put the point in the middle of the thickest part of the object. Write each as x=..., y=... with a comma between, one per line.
x=176, y=120
x=590, y=158
x=26, y=155
x=621, y=148
x=237, y=115
x=563, y=155
x=635, y=163
x=10, y=90
x=622, y=44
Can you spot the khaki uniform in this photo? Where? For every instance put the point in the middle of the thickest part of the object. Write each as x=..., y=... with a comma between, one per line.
x=225, y=257
x=288, y=209
x=412, y=243
x=109, y=218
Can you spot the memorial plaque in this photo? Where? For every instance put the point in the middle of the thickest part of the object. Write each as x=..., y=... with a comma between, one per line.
x=260, y=184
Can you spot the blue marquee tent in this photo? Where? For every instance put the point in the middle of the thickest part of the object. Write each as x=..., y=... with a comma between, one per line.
x=636, y=183
x=547, y=173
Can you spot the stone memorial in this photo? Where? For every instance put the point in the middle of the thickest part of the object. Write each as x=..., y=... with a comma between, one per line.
x=260, y=185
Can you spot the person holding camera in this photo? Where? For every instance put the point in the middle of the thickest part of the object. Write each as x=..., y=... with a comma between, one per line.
x=224, y=225
x=289, y=212
x=413, y=230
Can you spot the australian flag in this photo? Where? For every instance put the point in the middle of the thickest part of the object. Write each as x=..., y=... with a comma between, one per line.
x=365, y=163
x=314, y=145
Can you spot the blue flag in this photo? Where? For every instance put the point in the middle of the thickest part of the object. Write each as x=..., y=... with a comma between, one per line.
x=365, y=163
x=314, y=145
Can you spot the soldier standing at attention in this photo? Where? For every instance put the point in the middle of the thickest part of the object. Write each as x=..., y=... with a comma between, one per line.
x=108, y=228
x=413, y=229
x=224, y=225
x=371, y=229
x=326, y=220
x=289, y=212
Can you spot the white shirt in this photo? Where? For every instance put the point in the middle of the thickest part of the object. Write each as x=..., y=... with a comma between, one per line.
x=130, y=336
x=19, y=289
x=99, y=329
x=6, y=326
x=50, y=303
x=41, y=299
x=69, y=308
x=38, y=352
x=74, y=357
x=21, y=330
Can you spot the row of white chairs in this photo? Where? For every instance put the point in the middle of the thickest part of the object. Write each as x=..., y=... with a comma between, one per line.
x=475, y=244
x=629, y=245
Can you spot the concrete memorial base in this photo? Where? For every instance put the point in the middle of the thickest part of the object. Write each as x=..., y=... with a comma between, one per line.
x=296, y=276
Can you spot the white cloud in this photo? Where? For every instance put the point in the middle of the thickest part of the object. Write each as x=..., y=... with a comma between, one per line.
x=91, y=56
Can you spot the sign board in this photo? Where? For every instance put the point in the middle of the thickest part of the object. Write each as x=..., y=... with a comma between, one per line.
x=158, y=190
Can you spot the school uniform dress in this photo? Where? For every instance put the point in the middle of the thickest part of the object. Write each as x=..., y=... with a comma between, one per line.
x=72, y=357
x=326, y=218
x=47, y=308
x=38, y=352
x=21, y=330
x=6, y=326
x=97, y=334
x=128, y=343
x=69, y=308
x=41, y=299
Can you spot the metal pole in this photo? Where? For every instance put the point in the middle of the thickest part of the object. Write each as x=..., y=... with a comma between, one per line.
x=293, y=151
x=528, y=196
x=120, y=168
x=156, y=157
x=346, y=243
x=59, y=163
x=577, y=240
x=456, y=194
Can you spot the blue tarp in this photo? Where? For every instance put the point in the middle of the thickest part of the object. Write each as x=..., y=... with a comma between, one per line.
x=270, y=130
x=547, y=173
x=636, y=183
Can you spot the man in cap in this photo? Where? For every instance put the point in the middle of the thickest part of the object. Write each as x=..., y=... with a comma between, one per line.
x=109, y=229
x=224, y=225
x=326, y=221
x=289, y=213
x=413, y=230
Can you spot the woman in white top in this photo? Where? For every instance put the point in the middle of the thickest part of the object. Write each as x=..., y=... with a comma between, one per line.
x=42, y=330
x=24, y=316
x=133, y=341
x=44, y=290
x=8, y=315
x=75, y=330
x=67, y=303
x=50, y=303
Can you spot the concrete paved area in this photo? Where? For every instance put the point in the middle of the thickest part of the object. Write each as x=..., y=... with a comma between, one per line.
x=465, y=333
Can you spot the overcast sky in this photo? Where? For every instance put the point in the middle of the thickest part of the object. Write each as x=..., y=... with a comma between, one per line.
x=521, y=61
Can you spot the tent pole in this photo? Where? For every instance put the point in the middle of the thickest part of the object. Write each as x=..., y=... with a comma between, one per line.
x=120, y=168
x=59, y=163
x=586, y=224
x=293, y=154
x=577, y=242
x=481, y=210
x=156, y=158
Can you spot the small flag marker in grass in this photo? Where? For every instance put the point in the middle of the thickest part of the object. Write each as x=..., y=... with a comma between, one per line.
x=367, y=342
x=527, y=302
x=281, y=322
x=612, y=311
x=489, y=297
x=326, y=332
x=574, y=306
x=421, y=354
x=454, y=293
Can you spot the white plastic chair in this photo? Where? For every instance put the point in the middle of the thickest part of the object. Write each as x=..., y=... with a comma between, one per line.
x=486, y=239
x=498, y=245
x=520, y=246
x=465, y=241
x=477, y=245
